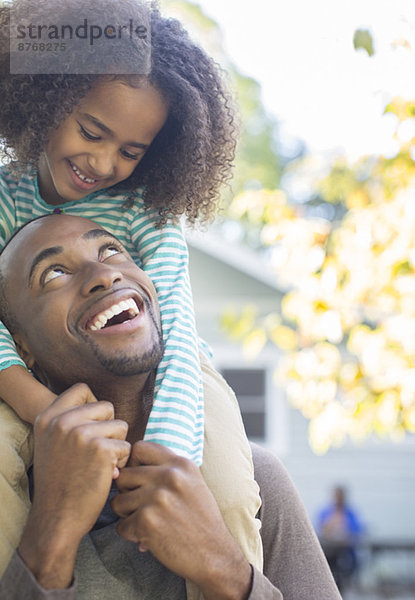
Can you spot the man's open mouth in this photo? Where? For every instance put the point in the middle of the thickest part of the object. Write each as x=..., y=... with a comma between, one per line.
x=118, y=313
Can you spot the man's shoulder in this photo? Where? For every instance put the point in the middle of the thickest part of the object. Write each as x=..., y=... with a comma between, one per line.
x=15, y=438
x=269, y=468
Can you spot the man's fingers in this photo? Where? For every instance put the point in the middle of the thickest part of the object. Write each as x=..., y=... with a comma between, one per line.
x=133, y=477
x=150, y=453
x=127, y=529
x=107, y=436
x=118, y=451
x=84, y=417
x=125, y=504
x=77, y=395
x=115, y=429
x=122, y=452
x=123, y=458
x=75, y=406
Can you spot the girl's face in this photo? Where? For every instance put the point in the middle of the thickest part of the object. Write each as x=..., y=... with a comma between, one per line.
x=101, y=142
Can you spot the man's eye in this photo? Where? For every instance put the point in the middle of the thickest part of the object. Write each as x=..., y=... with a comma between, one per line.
x=52, y=273
x=109, y=251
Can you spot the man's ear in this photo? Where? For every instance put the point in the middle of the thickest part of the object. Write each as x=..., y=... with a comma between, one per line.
x=24, y=351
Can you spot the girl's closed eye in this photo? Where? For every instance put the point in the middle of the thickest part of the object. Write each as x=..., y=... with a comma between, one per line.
x=87, y=135
x=130, y=156
x=95, y=138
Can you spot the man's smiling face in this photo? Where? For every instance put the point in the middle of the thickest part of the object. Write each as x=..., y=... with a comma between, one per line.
x=83, y=308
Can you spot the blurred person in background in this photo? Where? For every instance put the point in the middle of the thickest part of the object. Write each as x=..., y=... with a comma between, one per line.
x=339, y=529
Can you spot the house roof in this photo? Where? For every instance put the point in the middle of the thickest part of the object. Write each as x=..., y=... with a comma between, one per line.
x=235, y=255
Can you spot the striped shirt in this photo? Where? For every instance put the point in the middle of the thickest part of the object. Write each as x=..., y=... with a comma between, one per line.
x=176, y=419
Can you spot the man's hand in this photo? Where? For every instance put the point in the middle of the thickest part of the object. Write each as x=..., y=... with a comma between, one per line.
x=78, y=444
x=167, y=508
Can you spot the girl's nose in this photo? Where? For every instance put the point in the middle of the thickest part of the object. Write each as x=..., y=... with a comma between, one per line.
x=102, y=162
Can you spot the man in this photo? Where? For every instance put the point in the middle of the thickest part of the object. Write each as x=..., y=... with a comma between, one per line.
x=81, y=310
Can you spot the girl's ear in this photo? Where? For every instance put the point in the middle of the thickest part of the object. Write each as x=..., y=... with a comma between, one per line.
x=23, y=351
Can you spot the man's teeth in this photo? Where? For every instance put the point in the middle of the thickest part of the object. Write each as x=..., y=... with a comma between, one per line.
x=81, y=175
x=102, y=318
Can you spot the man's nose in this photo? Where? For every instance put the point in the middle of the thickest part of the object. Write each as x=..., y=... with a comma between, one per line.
x=99, y=276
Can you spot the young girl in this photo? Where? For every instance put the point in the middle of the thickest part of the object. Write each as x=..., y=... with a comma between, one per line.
x=133, y=153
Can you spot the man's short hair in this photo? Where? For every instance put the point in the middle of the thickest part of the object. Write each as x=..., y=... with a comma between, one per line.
x=6, y=314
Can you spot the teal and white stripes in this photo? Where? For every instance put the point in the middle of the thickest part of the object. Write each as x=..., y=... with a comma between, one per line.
x=176, y=419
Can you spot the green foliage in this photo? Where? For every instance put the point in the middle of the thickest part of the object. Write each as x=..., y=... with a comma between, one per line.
x=339, y=184
x=362, y=40
x=402, y=108
x=257, y=162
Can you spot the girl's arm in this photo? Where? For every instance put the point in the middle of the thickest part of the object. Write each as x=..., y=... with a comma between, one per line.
x=23, y=393
x=18, y=388
x=176, y=419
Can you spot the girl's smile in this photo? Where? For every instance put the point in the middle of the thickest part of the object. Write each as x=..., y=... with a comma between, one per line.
x=80, y=179
x=101, y=142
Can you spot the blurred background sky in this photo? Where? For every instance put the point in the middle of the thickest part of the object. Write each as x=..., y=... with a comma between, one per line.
x=301, y=52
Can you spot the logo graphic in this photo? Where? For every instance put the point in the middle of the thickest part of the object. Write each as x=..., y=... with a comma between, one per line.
x=87, y=43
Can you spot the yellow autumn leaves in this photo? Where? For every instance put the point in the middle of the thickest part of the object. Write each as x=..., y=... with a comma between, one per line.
x=347, y=321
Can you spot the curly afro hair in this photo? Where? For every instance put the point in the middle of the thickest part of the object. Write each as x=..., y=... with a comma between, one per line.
x=192, y=155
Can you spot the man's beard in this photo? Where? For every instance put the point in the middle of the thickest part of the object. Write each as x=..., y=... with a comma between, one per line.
x=125, y=365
